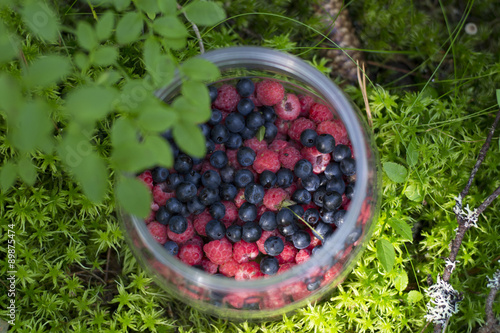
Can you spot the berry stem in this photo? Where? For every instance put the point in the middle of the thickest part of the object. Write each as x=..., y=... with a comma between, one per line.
x=306, y=223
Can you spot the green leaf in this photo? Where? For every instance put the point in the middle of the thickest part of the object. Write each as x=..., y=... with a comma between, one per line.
x=414, y=296
x=498, y=97
x=412, y=153
x=205, y=13
x=133, y=157
x=133, y=196
x=108, y=78
x=414, y=193
x=41, y=20
x=167, y=7
x=121, y=5
x=175, y=43
x=9, y=44
x=89, y=103
x=129, y=28
x=157, y=117
x=123, y=131
x=261, y=133
x=200, y=69
x=170, y=26
x=81, y=60
x=401, y=280
x=75, y=145
x=197, y=94
x=27, y=171
x=190, y=139
x=8, y=175
x=386, y=254
x=161, y=149
x=104, y=27
x=147, y=6
x=161, y=67
x=86, y=36
x=33, y=127
x=189, y=111
x=396, y=172
x=402, y=228
x=47, y=70
x=104, y=56
x=11, y=98
x=92, y=175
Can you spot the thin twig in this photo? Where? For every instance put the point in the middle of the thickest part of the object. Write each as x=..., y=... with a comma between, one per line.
x=425, y=327
x=490, y=316
x=488, y=201
x=107, y=264
x=195, y=29
x=362, y=86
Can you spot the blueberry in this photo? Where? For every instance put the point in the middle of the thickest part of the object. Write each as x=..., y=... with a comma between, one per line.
x=185, y=191
x=217, y=210
x=185, y=211
x=311, y=183
x=302, y=196
x=245, y=156
x=173, y=180
x=227, y=174
x=328, y=216
x=208, y=196
x=175, y=149
x=159, y=174
x=335, y=185
x=315, y=249
x=243, y=177
x=303, y=168
x=333, y=170
x=177, y=224
x=215, y=229
x=340, y=152
x=271, y=131
x=297, y=210
x=313, y=284
x=319, y=196
x=219, y=134
x=274, y=246
x=233, y=233
x=193, y=177
x=212, y=92
x=171, y=247
x=349, y=191
x=301, y=239
x=269, y=265
x=254, y=193
x=228, y=192
x=255, y=120
x=218, y=159
x=322, y=231
x=183, y=164
x=311, y=216
x=245, y=106
x=332, y=201
x=288, y=230
x=205, y=129
x=268, y=113
x=195, y=206
x=211, y=179
x=215, y=117
x=322, y=179
x=234, y=142
x=268, y=221
x=162, y=215
x=245, y=87
x=247, y=212
x=308, y=137
x=354, y=236
x=338, y=218
x=235, y=122
x=348, y=166
x=251, y=232
x=267, y=179
x=173, y=206
x=325, y=143
x=284, y=177
x=284, y=217
x=248, y=133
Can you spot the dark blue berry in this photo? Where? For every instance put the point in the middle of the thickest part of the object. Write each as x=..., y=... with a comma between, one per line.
x=255, y=120
x=332, y=201
x=245, y=87
x=183, y=164
x=302, y=196
x=335, y=185
x=248, y=133
x=175, y=149
x=268, y=221
x=234, y=142
x=212, y=92
x=218, y=159
x=208, y=196
x=215, y=117
x=209, y=146
x=288, y=230
x=354, y=236
x=159, y=174
x=235, y=122
x=297, y=210
x=274, y=246
x=185, y=191
x=205, y=129
x=228, y=191
x=243, y=177
x=284, y=217
x=193, y=177
x=340, y=152
x=211, y=179
x=319, y=196
x=247, y=212
x=308, y=137
x=215, y=229
x=328, y=216
x=162, y=215
x=271, y=131
x=245, y=156
x=311, y=183
x=173, y=180
x=349, y=191
x=322, y=231
x=185, y=211
x=348, y=166
x=301, y=239
x=254, y=193
x=338, y=218
x=284, y=177
x=217, y=210
x=219, y=134
x=227, y=174
x=322, y=179
x=333, y=170
x=177, y=224
x=267, y=179
x=325, y=143
x=173, y=206
x=245, y=106
x=268, y=113
x=303, y=168
x=171, y=247
x=315, y=249
x=251, y=232
x=233, y=233
x=195, y=206
x=269, y=265
x=311, y=216
x=313, y=284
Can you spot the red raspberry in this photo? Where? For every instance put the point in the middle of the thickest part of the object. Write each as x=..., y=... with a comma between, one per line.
x=241, y=299
x=320, y=113
x=185, y=236
x=278, y=145
x=333, y=272
x=209, y=266
x=146, y=178
x=239, y=199
x=302, y=256
x=289, y=157
x=248, y=271
x=220, y=147
x=289, y=108
x=269, y=92
x=282, y=125
x=190, y=254
x=231, y=213
x=265, y=235
x=315, y=241
x=288, y=254
x=227, y=98
x=285, y=267
x=281, y=136
x=205, y=166
x=261, y=210
x=306, y=101
x=200, y=222
x=274, y=300
x=336, y=129
x=318, y=160
x=158, y=231
x=154, y=206
x=255, y=144
x=159, y=196
x=274, y=197
x=244, y=252
x=255, y=100
x=298, y=126
x=224, y=114
x=219, y=251
x=229, y=268
x=266, y=160
x=232, y=158
x=195, y=240
x=151, y=217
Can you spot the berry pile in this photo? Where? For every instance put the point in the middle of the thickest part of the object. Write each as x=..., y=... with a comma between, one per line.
x=275, y=183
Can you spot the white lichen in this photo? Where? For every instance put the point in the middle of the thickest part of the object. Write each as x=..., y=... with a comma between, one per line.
x=494, y=281
x=444, y=302
x=468, y=215
x=448, y=262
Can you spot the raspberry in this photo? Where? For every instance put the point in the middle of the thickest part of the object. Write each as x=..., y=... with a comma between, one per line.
x=269, y=92
x=265, y=235
x=244, y=252
x=227, y=98
x=159, y=196
x=231, y=213
x=320, y=113
x=220, y=147
x=336, y=129
x=255, y=144
x=261, y=210
x=209, y=266
x=158, y=231
x=288, y=254
x=151, y=217
x=289, y=157
x=248, y=271
x=243, y=299
x=306, y=101
x=278, y=145
x=285, y=267
x=298, y=126
x=274, y=197
x=318, y=160
x=186, y=235
x=333, y=272
x=315, y=241
x=146, y=178
x=154, y=206
x=289, y=108
x=255, y=100
x=274, y=300
x=282, y=125
x=229, y=268
x=232, y=158
x=292, y=188
x=195, y=240
x=218, y=251
x=200, y=222
x=205, y=166
x=302, y=256
x=266, y=160
x=190, y=254
x=239, y=199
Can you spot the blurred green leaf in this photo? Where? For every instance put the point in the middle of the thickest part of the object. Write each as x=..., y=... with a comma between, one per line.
x=86, y=36
x=129, y=28
x=159, y=66
x=414, y=193
x=200, y=69
x=121, y=5
x=104, y=27
x=33, y=127
x=9, y=44
x=167, y=7
x=386, y=254
x=89, y=103
x=108, y=78
x=27, y=170
x=41, y=20
x=147, y=6
x=412, y=153
x=133, y=157
x=123, y=131
x=197, y=94
x=11, y=98
x=190, y=112
x=161, y=149
x=170, y=26
x=396, y=172
x=189, y=138
x=104, y=56
x=175, y=43
x=401, y=280
x=414, y=296
x=81, y=60
x=498, y=97
x=157, y=117
x=47, y=70
x=402, y=228
x=92, y=175
x=205, y=13
x=133, y=196
x=8, y=175
x=261, y=133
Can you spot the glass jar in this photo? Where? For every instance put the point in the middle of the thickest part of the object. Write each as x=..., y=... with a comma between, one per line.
x=270, y=297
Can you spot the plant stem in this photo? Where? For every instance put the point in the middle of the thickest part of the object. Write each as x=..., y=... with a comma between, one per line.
x=195, y=29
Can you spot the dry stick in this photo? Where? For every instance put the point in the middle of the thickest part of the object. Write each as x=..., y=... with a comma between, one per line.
x=362, y=86
x=490, y=316
x=196, y=30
